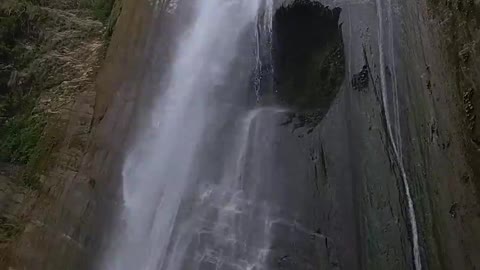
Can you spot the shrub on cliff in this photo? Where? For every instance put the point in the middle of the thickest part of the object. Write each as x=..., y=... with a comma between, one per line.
x=101, y=8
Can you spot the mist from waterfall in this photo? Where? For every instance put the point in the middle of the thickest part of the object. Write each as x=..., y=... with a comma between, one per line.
x=175, y=191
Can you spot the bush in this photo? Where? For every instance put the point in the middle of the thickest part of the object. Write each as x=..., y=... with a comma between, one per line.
x=19, y=137
x=101, y=8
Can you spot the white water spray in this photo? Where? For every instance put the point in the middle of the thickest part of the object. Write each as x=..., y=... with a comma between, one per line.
x=159, y=169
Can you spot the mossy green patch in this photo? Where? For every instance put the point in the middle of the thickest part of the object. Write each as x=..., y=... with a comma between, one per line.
x=101, y=8
x=41, y=158
x=19, y=137
x=32, y=62
x=9, y=229
x=112, y=20
x=18, y=22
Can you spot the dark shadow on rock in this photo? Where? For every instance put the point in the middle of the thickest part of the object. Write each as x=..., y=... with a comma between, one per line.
x=309, y=59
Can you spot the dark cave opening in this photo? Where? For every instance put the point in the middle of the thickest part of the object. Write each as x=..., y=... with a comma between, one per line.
x=308, y=56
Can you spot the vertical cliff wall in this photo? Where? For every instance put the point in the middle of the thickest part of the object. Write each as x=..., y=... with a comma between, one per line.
x=381, y=98
x=50, y=53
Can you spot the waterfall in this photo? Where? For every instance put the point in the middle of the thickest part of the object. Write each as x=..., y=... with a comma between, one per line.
x=167, y=5
x=264, y=60
x=185, y=205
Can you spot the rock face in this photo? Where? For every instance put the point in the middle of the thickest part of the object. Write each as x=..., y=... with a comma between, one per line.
x=50, y=51
x=456, y=25
x=309, y=60
x=308, y=54
x=398, y=84
x=343, y=71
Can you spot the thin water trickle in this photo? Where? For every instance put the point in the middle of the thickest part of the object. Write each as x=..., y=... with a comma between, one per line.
x=393, y=132
x=264, y=59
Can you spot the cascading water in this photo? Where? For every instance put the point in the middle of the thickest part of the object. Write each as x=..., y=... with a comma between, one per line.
x=194, y=182
x=219, y=178
x=264, y=59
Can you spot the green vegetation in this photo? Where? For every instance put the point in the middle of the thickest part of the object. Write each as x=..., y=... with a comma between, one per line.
x=112, y=20
x=19, y=129
x=19, y=137
x=10, y=29
x=101, y=8
x=9, y=229
x=26, y=71
x=40, y=157
x=49, y=52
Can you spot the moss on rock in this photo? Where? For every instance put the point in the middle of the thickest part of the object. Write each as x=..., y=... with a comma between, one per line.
x=19, y=138
x=48, y=52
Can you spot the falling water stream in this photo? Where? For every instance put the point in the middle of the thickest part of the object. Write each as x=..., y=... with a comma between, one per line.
x=206, y=185
x=188, y=206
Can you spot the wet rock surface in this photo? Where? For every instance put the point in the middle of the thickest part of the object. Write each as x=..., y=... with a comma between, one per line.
x=361, y=79
x=390, y=87
x=337, y=180
x=308, y=55
x=336, y=167
x=309, y=61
